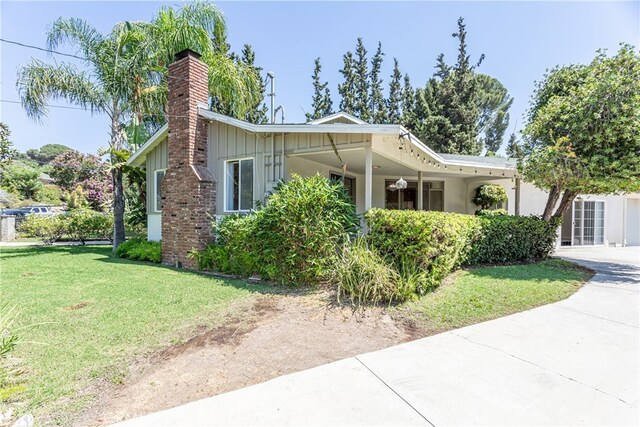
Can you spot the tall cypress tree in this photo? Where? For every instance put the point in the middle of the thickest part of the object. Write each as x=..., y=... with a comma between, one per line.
x=513, y=148
x=258, y=112
x=394, y=103
x=321, y=100
x=362, y=104
x=347, y=88
x=408, y=104
x=494, y=103
x=378, y=104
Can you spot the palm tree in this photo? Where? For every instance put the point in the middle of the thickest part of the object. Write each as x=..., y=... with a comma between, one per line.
x=123, y=76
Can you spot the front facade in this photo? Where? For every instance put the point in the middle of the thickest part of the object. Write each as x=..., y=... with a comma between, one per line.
x=204, y=165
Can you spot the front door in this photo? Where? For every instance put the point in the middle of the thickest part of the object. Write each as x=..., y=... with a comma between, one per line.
x=588, y=223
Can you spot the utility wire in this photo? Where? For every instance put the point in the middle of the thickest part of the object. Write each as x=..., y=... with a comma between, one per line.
x=43, y=50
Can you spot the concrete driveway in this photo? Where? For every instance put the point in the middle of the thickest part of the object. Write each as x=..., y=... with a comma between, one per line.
x=575, y=362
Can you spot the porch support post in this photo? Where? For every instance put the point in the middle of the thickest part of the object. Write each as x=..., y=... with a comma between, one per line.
x=368, y=177
x=517, y=207
x=420, y=191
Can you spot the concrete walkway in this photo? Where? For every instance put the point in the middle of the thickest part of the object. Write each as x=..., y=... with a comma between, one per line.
x=575, y=362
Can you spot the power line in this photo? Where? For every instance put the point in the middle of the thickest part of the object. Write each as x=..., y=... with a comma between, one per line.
x=43, y=50
x=51, y=106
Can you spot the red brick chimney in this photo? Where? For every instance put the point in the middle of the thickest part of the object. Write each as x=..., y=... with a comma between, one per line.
x=188, y=187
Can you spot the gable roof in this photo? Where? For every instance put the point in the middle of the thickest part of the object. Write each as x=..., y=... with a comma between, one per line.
x=336, y=116
x=358, y=126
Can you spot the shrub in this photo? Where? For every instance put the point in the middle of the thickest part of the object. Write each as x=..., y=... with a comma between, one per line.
x=83, y=224
x=363, y=275
x=489, y=195
x=491, y=212
x=507, y=239
x=294, y=239
x=50, y=194
x=140, y=250
x=49, y=228
x=427, y=244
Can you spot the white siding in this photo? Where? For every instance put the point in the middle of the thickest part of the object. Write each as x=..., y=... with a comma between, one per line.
x=154, y=227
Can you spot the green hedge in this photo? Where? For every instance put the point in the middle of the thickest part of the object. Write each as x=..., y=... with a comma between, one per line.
x=140, y=249
x=293, y=239
x=78, y=224
x=507, y=239
x=434, y=242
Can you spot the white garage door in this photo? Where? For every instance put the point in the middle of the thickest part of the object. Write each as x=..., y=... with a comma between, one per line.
x=633, y=222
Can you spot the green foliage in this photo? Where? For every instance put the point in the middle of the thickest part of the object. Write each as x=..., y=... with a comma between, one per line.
x=77, y=199
x=347, y=88
x=507, y=239
x=8, y=336
x=362, y=84
x=489, y=195
x=7, y=152
x=49, y=194
x=364, y=276
x=83, y=224
x=494, y=102
x=49, y=228
x=513, y=149
x=378, y=103
x=491, y=212
x=583, y=130
x=434, y=242
x=21, y=179
x=46, y=153
x=140, y=250
x=294, y=239
x=394, y=103
x=321, y=101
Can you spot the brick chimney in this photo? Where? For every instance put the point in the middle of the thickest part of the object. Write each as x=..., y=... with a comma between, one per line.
x=189, y=187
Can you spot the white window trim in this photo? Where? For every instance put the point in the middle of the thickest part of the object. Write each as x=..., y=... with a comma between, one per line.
x=226, y=169
x=156, y=188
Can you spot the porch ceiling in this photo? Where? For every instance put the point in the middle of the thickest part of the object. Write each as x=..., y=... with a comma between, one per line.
x=384, y=166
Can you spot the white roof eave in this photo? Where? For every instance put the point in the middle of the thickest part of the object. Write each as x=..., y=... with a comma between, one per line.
x=139, y=157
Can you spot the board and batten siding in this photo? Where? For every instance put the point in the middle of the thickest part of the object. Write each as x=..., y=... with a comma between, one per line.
x=156, y=159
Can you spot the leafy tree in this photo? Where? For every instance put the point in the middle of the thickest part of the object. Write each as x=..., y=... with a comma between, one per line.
x=22, y=180
x=408, y=103
x=361, y=86
x=347, y=88
x=394, y=103
x=494, y=103
x=583, y=130
x=46, y=153
x=321, y=100
x=72, y=170
x=125, y=70
x=7, y=152
x=449, y=115
x=513, y=148
x=488, y=196
x=378, y=104
x=257, y=112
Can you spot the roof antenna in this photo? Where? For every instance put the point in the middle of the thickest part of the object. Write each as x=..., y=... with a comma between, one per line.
x=271, y=78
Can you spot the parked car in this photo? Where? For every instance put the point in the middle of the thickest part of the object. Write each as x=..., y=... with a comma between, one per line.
x=38, y=210
x=14, y=212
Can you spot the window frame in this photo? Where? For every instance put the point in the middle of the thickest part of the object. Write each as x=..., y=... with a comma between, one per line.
x=337, y=176
x=156, y=188
x=226, y=189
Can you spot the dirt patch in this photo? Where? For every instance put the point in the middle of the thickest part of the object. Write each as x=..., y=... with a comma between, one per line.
x=77, y=306
x=279, y=335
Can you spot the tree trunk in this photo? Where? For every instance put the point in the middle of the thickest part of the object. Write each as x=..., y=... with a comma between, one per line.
x=118, y=208
x=565, y=203
x=118, y=187
x=554, y=195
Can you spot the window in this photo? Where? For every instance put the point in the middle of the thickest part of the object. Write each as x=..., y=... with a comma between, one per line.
x=432, y=196
x=157, y=199
x=239, y=185
x=348, y=182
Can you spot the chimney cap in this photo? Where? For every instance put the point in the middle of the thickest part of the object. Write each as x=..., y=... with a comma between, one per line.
x=187, y=52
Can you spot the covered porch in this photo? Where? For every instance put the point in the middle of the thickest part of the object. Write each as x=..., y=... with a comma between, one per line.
x=395, y=172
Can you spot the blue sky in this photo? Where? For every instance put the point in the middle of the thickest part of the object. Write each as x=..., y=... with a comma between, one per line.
x=520, y=40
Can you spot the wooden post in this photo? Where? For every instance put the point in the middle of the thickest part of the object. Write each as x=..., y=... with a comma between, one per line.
x=517, y=207
x=368, y=178
x=420, y=192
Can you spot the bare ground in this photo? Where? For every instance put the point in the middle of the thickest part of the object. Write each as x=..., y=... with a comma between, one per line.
x=279, y=335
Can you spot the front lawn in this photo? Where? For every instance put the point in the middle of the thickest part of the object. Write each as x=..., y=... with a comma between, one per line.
x=93, y=313
x=484, y=293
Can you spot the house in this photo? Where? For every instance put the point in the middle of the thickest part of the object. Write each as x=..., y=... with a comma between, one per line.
x=203, y=165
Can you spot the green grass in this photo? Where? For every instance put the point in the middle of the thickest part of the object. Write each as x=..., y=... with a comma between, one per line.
x=484, y=293
x=93, y=313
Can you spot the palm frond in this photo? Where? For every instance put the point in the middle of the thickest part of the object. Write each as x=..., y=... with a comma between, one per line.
x=38, y=82
x=77, y=32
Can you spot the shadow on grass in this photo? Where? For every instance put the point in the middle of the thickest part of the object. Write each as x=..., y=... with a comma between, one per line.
x=542, y=271
x=105, y=255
